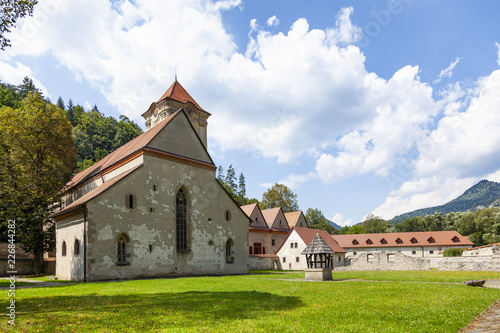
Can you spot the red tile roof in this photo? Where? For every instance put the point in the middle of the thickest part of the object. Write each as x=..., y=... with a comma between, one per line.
x=177, y=92
x=402, y=239
x=248, y=209
x=120, y=154
x=484, y=246
x=270, y=215
x=307, y=236
x=293, y=217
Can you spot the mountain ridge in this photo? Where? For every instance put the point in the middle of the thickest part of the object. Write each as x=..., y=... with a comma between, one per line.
x=481, y=195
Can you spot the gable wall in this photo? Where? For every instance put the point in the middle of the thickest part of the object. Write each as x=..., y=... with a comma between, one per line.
x=280, y=217
x=208, y=230
x=69, y=267
x=178, y=138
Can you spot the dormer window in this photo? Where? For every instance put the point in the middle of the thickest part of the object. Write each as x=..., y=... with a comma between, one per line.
x=455, y=239
x=431, y=240
x=355, y=242
x=399, y=241
x=369, y=242
x=383, y=241
x=414, y=240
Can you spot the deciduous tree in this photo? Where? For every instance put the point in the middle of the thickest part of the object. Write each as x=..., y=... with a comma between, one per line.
x=316, y=220
x=37, y=158
x=280, y=196
x=10, y=11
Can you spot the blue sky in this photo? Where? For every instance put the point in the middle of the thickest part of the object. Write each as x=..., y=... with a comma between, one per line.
x=359, y=106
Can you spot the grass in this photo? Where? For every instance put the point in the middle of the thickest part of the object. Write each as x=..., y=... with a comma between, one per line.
x=259, y=302
x=417, y=276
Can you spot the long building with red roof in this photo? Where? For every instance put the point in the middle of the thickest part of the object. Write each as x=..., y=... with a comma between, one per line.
x=416, y=244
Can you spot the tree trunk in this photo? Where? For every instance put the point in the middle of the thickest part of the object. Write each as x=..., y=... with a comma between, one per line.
x=38, y=263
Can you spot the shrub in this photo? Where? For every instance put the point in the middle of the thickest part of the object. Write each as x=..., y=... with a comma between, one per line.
x=453, y=252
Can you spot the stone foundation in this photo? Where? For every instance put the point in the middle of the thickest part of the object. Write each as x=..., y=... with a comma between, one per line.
x=318, y=274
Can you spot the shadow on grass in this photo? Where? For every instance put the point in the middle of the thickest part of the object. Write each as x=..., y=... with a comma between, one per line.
x=140, y=311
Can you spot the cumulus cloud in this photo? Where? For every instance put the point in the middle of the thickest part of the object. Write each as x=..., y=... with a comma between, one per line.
x=461, y=150
x=339, y=219
x=273, y=21
x=15, y=74
x=344, y=32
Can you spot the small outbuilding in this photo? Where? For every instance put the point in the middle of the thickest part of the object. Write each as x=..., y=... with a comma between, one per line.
x=319, y=260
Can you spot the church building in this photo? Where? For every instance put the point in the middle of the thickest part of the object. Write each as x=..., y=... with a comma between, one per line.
x=153, y=207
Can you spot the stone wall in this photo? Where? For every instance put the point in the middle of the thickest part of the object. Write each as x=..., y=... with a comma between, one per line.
x=259, y=263
x=394, y=261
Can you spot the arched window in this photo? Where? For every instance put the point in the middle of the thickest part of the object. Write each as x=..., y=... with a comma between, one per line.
x=77, y=247
x=64, y=249
x=229, y=257
x=121, y=250
x=181, y=221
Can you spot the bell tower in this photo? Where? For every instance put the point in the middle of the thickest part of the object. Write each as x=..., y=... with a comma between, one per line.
x=175, y=98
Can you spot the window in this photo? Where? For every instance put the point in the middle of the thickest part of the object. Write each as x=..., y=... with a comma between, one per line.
x=228, y=215
x=64, y=249
x=77, y=247
x=431, y=252
x=296, y=245
x=413, y=252
x=229, y=251
x=369, y=257
x=354, y=253
x=383, y=241
x=256, y=219
x=154, y=187
x=297, y=259
x=249, y=250
x=390, y=257
x=339, y=259
x=181, y=221
x=414, y=240
x=121, y=253
x=280, y=221
x=257, y=248
x=130, y=201
x=355, y=242
x=455, y=239
x=399, y=241
x=431, y=240
x=263, y=250
x=291, y=245
x=273, y=242
x=150, y=248
x=284, y=259
x=369, y=241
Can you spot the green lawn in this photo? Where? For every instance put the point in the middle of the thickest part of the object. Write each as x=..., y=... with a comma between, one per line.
x=260, y=302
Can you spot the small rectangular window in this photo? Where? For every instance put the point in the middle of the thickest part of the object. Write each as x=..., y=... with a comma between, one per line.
x=296, y=245
x=297, y=259
x=250, y=249
x=390, y=257
x=413, y=252
x=273, y=242
x=369, y=257
x=291, y=245
x=354, y=253
x=431, y=252
x=284, y=259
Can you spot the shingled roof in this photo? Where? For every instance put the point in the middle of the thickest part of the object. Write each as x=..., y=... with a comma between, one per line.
x=307, y=236
x=317, y=246
x=400, y=239
x=177, y=92
x=119, y=154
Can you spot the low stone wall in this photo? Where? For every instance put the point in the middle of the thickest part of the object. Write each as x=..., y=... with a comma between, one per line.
x=394, y=261
x=261, y=263
x=25, y=267
x=465, y=264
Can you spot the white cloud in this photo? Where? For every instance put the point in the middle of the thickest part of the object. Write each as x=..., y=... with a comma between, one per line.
x=461, y=150
x=498, y=53
x=448, y=72
x=15, y=74
x=339, y=219
x=273, y=21
x=344, y=32
x=294, y=181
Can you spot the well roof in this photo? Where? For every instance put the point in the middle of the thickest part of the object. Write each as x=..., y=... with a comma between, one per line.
x=317, y=246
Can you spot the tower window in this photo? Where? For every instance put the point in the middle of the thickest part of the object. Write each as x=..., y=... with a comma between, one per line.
x=77, y=247
x=63, y=249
